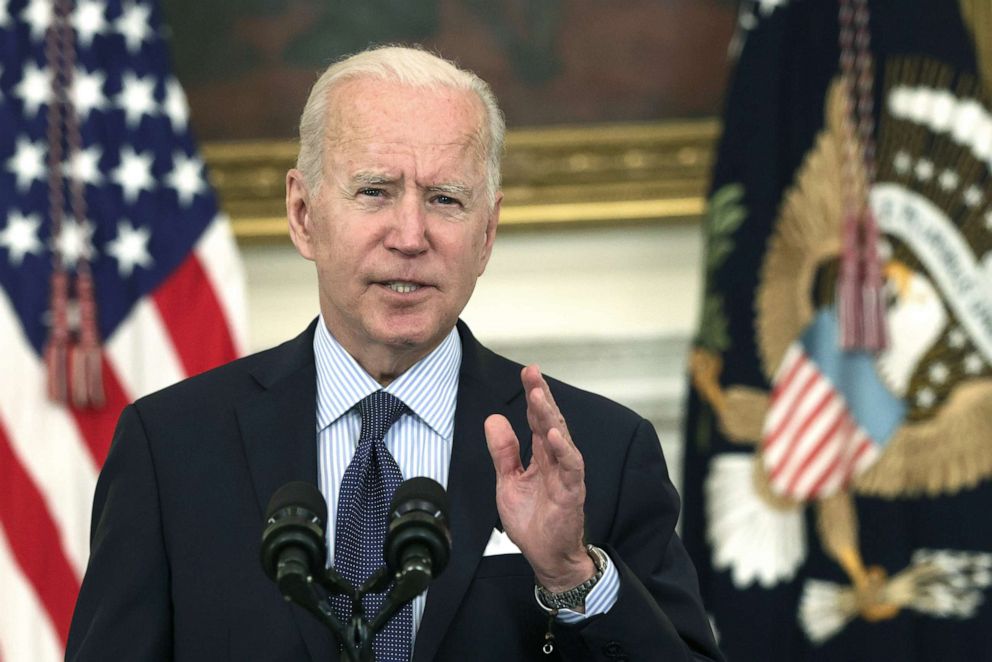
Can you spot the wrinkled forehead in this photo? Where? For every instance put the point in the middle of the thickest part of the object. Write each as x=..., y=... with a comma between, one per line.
x=367, y=109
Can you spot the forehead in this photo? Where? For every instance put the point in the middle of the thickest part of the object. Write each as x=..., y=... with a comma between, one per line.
x=364, y=111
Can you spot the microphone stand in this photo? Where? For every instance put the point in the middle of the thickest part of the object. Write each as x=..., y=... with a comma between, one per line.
x=355, y=637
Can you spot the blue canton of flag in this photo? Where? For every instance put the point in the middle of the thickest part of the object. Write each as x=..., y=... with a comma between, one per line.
x=169, y=289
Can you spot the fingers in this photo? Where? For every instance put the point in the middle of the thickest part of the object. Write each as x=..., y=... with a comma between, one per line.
x=564, y=452
x=533, y=379
x=543, y=414
x=552, y=443
x=503, y=445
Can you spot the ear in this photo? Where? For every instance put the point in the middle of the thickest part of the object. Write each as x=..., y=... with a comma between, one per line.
x=299, y=211
x=491, y=223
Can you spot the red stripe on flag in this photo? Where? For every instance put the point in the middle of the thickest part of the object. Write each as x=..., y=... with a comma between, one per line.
x=770, y=439
x=814, y=453
x=194, y=318
x=866, y=444
x=844, y=432
x=34, y=540
x=796, y=439
x=783, y=383
x=97, y=425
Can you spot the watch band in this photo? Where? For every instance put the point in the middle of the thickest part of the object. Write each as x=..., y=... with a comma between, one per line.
x=575, y=596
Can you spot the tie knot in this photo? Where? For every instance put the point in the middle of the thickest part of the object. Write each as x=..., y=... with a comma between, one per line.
x=379, y=411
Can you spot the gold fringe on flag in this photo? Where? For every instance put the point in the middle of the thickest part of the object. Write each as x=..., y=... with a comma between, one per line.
x=977, y=15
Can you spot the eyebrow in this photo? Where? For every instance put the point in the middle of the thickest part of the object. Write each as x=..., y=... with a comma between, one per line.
x=457, y=190
x=372, y=178
x=367, y=178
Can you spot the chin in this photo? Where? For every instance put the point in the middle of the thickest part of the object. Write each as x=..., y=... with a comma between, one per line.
x=403, y=334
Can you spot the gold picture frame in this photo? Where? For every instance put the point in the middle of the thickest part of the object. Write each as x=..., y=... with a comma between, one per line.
x=561, y=176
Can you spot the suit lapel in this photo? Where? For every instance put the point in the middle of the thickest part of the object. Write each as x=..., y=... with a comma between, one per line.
x=486, y=385
x=278, y=425
x=278, y=430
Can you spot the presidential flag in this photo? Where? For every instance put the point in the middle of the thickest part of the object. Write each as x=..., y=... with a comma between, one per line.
x=839, y=434
x=118, y=276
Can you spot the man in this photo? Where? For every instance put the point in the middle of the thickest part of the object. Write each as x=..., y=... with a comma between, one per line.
x=396, y=200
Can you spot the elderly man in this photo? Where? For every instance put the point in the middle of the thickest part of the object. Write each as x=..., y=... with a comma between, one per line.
x=396, y=200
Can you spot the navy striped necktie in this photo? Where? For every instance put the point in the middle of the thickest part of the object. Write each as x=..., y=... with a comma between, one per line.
x=360, y=531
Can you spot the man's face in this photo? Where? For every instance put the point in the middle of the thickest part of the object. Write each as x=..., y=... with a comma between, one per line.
x=400, y=228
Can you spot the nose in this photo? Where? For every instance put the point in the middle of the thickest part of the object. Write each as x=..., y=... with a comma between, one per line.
x=408, y=230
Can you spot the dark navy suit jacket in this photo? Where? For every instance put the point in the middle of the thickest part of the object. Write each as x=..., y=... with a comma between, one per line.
x=174, y=571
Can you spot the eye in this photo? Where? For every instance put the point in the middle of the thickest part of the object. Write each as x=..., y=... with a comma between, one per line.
x=371, y=192
x=446, y=200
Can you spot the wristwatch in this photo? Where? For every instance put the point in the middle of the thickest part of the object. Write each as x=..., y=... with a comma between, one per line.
x=573, y=597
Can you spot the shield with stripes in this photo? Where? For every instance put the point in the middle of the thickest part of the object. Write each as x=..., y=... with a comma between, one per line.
x=829, y=415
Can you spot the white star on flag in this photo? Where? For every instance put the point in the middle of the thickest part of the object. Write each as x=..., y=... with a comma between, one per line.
x=147, y=252
x=973, y=364
x=133, y=25
x=137, y=97
x=973, y=196
x=925, y=397
x=84, y=165
x=948, y=180
x=902, y=162
x=87, y=92
x=938, y=373
x=35, y=88
x=175, y=105
x=88, y=20
x=134, y=174
x=75, y=242
x=185, y=177
x=20, y=236
x=130, y=248
x=27, y=163
x=38, y=15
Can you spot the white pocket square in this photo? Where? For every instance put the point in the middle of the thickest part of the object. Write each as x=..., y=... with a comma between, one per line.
x=500, y=543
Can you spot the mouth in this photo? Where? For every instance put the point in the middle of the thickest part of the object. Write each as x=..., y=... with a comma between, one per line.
x=402, y=286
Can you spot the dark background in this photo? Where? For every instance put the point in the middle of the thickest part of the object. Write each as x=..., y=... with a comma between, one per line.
x=247, y=65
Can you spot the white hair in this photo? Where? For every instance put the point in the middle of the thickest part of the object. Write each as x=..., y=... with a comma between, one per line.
x=410, y=66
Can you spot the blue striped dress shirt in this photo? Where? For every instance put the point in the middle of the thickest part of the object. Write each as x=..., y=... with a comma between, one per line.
x=420, y=440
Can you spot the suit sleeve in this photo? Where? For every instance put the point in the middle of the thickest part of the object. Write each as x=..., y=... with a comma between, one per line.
x=658, y=614
x=124, y=610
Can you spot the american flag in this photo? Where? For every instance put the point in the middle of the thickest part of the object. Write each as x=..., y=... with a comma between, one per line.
x=168, y=281
x=829, y=415
x=813, y=444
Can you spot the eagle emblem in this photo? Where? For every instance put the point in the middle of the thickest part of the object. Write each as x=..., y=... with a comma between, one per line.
x=910, y=422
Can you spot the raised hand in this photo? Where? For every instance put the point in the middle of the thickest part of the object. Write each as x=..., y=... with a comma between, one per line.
x=541, y=507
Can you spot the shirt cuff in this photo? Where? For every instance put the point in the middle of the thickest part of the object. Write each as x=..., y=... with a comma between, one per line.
x=600, y=599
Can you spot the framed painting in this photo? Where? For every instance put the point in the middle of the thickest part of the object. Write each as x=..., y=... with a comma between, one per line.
x=610, y=103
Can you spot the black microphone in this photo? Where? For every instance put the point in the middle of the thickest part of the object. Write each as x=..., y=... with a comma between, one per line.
x=418, y=543
x=293, y=541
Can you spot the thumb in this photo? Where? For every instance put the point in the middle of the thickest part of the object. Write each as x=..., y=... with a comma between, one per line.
x=503, y=446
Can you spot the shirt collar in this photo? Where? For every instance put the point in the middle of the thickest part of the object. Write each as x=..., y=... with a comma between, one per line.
x=428, y=388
